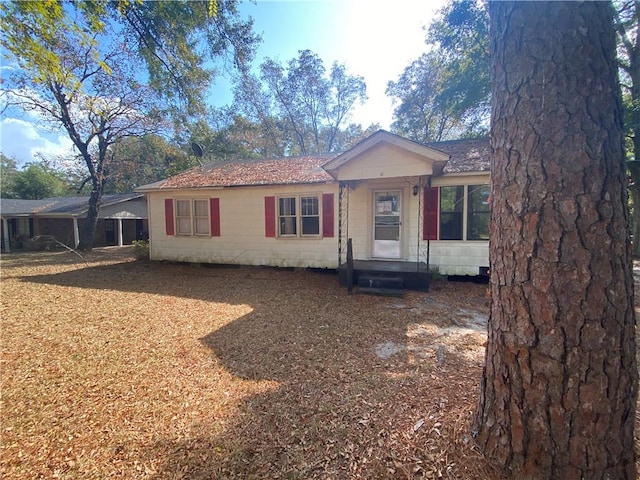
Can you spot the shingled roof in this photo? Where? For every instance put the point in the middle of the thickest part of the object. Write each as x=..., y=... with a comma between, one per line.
x=57, y=206
x=468, y=155
x=237, y=173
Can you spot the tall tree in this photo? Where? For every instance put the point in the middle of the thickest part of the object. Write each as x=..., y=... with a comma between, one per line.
x=37, y=181
x=136, y=161
x=423, y=114
x=81, y=68
x=445, y=93
x=301, y=110
x=8, y=172
x=559, y=391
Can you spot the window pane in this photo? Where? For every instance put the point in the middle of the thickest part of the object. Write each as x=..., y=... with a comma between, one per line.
x=202, y=226
x=451, y=199
x=478, y=212
x=183, y=208
x=288, y=225
x=287, y=206
x=309, y=205
x=451, y=208
x=200, y=208
x=387, y=233
x=310, y=212
x=310, y=225
x=287, y=216
x=184, y=225
x=478, y=226
x=183, y=217
x=451, y=226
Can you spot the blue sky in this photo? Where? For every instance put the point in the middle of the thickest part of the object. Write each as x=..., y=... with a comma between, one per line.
x=375, y=40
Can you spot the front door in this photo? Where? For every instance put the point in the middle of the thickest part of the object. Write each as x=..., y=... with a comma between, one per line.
x=387, y=224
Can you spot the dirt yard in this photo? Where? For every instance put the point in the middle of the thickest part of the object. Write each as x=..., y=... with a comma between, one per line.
x=113, y=368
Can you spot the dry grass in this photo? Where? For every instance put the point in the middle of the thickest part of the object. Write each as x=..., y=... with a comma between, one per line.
x=113, y=368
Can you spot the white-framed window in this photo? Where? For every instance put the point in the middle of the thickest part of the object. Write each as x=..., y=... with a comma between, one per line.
x=192, y=217
x=464, y=212
x=309, y=215
x=299, y=216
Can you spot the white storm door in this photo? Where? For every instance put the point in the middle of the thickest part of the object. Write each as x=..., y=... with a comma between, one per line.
x=387, y=224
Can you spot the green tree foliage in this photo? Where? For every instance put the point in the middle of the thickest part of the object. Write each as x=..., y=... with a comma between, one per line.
x=300, y=109
x=227, y=136
x=104, y=71
x=445, y=93
x=424, y=114
x=8, y=171
x=136, y=161
x=37, y=181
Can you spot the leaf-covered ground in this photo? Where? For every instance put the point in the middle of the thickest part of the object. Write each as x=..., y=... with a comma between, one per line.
x=113, y=368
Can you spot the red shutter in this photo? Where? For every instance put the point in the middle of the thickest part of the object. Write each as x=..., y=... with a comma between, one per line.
x=269, y=216
x=327, y=214
x=214, y=204
x=168, y=216
x=430, y=223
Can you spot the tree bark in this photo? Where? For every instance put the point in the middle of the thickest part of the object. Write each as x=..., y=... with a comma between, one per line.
x=559, y=389
x=89, y=227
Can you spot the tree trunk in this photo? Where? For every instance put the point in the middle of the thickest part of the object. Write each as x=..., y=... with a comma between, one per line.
x=558, y=395
x=88, y=231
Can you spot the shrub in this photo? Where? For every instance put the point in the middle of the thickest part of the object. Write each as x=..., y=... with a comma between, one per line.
x=141, y=249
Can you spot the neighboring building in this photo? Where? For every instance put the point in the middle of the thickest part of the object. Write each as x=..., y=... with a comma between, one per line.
x=121, y=219
x=398, y=200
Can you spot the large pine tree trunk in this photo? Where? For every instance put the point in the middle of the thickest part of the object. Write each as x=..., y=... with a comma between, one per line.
x=559, y=390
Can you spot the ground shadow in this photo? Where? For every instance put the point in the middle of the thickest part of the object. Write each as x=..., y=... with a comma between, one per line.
x=340, y=410
x=337, y=408
x=220, y=283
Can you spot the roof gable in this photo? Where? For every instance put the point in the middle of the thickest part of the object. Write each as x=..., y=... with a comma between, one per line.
x=385, y=154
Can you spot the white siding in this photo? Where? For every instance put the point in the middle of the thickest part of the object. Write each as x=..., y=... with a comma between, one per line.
x=242, y=231
x=242, y=225
x=450, y=257
x=383, y=162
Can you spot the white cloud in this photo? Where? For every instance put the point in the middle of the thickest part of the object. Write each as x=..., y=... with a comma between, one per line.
x=23, y=141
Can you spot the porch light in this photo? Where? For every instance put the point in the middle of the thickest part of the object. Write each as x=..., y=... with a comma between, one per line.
x=416, y=189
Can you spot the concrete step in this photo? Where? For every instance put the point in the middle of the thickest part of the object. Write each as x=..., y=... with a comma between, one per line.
x=383, y=292
x=377, y=281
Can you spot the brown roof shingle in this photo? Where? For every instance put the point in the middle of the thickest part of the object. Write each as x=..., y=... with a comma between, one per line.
x=275, y=171
x=467, y=155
